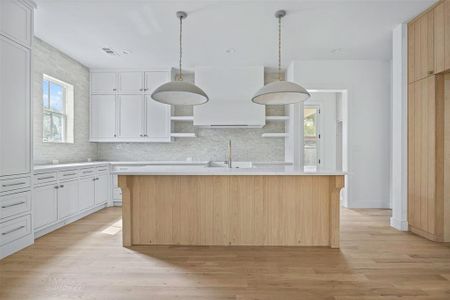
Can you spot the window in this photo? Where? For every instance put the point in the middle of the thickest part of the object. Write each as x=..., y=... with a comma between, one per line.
x=311, y=136
x=57, y=104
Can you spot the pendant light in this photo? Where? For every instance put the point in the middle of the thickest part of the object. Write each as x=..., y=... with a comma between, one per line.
x=180, y=92
x=280, y=92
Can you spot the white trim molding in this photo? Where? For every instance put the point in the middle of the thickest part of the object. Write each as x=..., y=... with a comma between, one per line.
x=399, y=149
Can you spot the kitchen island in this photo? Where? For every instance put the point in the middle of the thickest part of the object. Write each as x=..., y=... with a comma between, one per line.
x=176, y=205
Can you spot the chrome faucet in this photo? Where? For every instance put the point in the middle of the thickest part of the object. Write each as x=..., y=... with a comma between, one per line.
x=229, y=159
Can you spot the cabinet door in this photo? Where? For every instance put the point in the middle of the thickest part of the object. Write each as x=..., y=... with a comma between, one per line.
x=154, y=79
x=439, y=38
x=45, y=206
x=131, y=113
x=67, y=198
x=103, y=116
x=86, y=193
x=102, y=189
x=131, y=82
x=422, y=154
x=103, y=82
x=424, y=46
x=157, y=119
x=15, y=138
x=447, y=34
x=15, y=21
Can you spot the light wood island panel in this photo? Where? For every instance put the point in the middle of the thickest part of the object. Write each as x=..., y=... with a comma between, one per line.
x=231, y=210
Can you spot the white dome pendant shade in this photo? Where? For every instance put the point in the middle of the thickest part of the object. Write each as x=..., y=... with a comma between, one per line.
x=281, y=92
x=180, y=92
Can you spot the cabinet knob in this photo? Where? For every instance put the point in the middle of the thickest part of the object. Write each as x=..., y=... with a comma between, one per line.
x=56, y=187
x=61, y=186
x=115, y=135
x=430, y=72
x=114, y=90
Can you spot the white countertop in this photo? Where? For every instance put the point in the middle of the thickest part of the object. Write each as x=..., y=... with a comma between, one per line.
x=43, y=168
x=187, y=168
x=219, y=171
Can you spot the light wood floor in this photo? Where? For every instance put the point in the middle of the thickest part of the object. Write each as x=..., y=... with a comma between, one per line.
x=85, y=260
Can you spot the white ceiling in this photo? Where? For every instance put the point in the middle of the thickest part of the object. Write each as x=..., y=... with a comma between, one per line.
x=358, y=29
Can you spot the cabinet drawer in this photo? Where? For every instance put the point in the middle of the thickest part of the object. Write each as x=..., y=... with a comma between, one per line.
x=15, y=204
x=103, y=170
x=14, y=229
x=44, y=178
x=87, y=172
x=14, y=184
x=66, y=175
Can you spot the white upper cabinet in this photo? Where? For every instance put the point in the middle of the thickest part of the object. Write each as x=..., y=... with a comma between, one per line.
x=154, y=79
x=131, y=116
x=131, y=82
x=15, y=131
x=157, y=120
x=103, y=82
x=127, y=113
x=16, y=21
x=103, y=117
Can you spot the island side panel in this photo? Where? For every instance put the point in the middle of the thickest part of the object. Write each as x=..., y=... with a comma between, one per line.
x=126, y=211
x=231, y=210
x=336, y=184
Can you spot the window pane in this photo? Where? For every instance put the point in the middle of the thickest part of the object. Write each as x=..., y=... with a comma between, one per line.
x=56, y=97
x=45, y=93
x=310, y=152
x=57, y=127
x=47, y=127
x=310, y=122
x=311, y=155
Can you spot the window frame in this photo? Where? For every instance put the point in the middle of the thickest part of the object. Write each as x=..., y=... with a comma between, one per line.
x=47, y=110
x=317, y=137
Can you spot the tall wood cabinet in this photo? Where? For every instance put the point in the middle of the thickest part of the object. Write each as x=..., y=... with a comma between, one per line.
x=16, y=32
x=429, y=123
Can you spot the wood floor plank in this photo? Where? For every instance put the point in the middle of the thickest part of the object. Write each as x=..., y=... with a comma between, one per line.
x=86, y=260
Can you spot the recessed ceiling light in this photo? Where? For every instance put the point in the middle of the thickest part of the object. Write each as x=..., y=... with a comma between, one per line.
x=336, y=50
x=230, y=51
x=126, y=52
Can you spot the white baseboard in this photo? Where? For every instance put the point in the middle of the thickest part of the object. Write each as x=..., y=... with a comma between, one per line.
x=16, y=245
x=43, y=231
x=117, y=203
x=398, y=224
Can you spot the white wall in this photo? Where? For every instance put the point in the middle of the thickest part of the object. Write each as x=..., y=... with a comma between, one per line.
x=49, y=60
x=399, y=150
x=368, y=86
x=327, y=127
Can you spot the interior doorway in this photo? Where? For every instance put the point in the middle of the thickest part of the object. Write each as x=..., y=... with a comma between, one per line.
x=325, y=133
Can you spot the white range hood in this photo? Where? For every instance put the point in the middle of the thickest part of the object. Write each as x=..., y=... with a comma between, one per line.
x=230, y=91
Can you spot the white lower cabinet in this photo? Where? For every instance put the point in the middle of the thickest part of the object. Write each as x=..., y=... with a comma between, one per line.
x=86, y=193
x=102, y=188
x=45, y=205
x=67, y=198
x=63, y=201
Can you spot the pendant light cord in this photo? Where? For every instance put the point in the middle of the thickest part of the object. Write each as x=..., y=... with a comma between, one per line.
x=180, y=75
x=279, y=48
